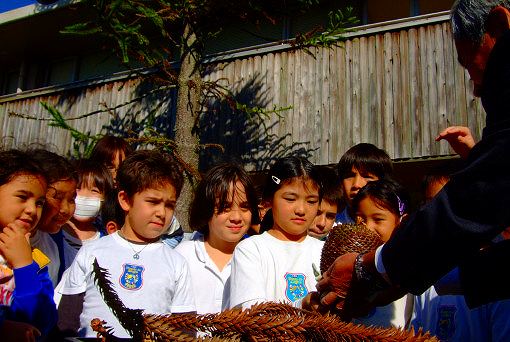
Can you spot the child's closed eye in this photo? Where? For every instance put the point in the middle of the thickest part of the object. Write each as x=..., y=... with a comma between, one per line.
x=22, y=197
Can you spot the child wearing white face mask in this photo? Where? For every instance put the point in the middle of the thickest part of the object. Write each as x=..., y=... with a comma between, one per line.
x=94, y=181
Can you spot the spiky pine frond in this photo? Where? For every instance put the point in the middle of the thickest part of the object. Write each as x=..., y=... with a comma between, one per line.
x=130, y=319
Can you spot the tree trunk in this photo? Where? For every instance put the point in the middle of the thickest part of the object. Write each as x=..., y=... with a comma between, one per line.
x=188, y=109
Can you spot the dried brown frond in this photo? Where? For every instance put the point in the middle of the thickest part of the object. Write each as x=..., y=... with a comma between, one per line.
x=262, y=322
x=274, y=322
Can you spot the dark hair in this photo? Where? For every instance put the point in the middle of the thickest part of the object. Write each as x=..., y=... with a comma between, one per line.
x=107, y=147
x=56, y=167
x=287, y=168
x=365, y=157
x=331, y=190
x=213, y=192
x=111, y=209
x=283, y=172
x=16, y=162
x=385, y=192
x=97, y=172
x=146, y=169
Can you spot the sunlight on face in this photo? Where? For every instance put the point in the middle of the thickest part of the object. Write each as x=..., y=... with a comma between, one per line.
x=376, y=218
x=294, y=207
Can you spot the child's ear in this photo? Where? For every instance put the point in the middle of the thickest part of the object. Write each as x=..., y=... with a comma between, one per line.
x=124, y=201
x=111, y=227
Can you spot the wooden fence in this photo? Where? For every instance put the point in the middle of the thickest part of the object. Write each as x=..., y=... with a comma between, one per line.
x=395, y=86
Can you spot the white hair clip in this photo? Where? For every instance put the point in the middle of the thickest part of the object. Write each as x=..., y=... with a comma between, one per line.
x=276, y=179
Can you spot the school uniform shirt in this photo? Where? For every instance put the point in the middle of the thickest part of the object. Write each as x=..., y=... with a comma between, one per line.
x=73, y=244
x=159, y=282
x=450, y=319
x=392, y=315
x=208, y=281
x=267, y=269
x=76, y=243
x=343, y=217
x=44, y=242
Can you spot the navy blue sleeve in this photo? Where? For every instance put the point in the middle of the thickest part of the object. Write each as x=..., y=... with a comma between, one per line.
x=33, y=298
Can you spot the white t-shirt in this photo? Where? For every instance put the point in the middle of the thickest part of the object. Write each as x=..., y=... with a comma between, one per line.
x=45, y=244
x=267, y=269
x=208, y=281
x=158, y=282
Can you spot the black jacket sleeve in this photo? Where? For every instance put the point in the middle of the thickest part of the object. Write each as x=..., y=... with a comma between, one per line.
x=470, y=210
x=484, y=278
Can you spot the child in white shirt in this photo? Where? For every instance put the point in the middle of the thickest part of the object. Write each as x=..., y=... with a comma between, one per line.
x=224, y=206
x=146, y=273
x=277, y=265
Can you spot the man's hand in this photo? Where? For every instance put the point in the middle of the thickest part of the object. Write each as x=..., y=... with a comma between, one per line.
x=460, y=139
x=14, y=246
x=336, y=281
x=354, y=297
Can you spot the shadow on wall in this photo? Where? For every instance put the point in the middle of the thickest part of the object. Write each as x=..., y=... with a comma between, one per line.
x=244, y=127
x=148, y=109
x=247, y=136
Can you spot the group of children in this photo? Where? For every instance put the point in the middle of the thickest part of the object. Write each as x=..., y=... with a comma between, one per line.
x=58, y=218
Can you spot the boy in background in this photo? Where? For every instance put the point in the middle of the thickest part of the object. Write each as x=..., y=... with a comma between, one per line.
x=146, y=273
x=361, y=164
x=328, y=208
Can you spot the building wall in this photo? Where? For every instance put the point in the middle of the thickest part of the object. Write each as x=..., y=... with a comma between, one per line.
x=395, y=86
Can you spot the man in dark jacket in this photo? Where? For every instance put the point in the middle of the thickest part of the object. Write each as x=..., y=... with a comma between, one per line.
x=471, y=209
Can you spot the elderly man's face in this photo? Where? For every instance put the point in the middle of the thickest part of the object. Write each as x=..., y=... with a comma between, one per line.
x=474, y=57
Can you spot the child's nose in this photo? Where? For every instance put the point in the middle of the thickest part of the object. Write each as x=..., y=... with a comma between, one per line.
x=66, y=208
x=359, y=182
x=31, y=208
x=235, y=215
x=300, y=208
x=320, y=221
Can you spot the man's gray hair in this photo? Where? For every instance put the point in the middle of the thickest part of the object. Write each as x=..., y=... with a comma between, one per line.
x=468, y=18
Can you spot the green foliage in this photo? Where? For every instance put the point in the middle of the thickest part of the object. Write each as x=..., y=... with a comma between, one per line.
x=83, y=143
x=156, y=33
x=338, y=24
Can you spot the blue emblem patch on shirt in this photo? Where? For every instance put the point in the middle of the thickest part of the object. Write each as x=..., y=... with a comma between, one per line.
x=445, y=328
x=131, y=278
x=296, y=287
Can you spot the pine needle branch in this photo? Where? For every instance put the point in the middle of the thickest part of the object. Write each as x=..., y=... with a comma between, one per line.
x=130, y=319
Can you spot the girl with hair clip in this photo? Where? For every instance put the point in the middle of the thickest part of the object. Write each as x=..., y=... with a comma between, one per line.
x=223, y=208
x=277, y=264
x=94, y=181
x=381, y=205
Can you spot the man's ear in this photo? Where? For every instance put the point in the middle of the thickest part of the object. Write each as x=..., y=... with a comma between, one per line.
x=498, y=21
x=124, y=201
